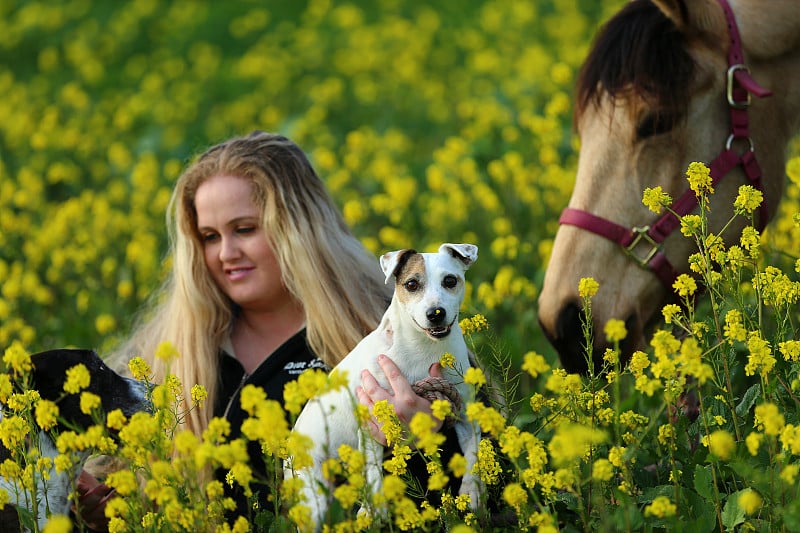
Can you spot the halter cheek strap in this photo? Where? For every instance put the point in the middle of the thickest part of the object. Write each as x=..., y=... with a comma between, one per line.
x=643, y=244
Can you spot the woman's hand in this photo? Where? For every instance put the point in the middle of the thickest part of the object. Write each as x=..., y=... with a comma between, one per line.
x=92, y=499
x=405, y=401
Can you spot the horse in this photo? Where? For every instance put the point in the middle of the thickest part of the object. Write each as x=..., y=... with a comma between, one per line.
x=666, y=83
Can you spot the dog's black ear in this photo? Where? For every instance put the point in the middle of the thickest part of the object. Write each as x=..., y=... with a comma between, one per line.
x=392, y=262
x=466, y=253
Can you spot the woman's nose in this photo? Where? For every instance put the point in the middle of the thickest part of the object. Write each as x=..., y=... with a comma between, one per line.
x=229, y=250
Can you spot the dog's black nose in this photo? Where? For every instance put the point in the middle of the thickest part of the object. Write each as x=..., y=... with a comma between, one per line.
x=436, y=315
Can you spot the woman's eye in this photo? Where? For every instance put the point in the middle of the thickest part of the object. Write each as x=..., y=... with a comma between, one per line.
x=449, y=281
x=209, y=237
x=411, y=285
x=245, y=229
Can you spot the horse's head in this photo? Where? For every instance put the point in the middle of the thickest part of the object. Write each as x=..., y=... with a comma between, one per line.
x=651, y=98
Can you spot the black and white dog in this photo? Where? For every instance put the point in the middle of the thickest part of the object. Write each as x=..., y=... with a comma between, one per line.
x=48, y=376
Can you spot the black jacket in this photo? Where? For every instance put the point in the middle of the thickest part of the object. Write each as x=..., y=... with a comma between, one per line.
x=282, y=366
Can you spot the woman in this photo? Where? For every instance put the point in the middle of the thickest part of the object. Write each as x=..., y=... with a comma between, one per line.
x=267, y=281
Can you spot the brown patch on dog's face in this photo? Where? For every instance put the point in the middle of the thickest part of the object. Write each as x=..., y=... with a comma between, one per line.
x=410, y=280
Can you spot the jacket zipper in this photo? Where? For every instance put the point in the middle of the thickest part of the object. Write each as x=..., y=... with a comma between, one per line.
x=236, y=392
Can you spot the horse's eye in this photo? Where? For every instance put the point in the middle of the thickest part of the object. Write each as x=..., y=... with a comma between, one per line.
x=654, y=124
x=411, y=285
x=449, y=281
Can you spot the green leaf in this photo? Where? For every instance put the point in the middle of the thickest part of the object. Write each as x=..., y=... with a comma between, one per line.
x=703, y=482
x=732, y=514
x=791, y=516
x=651, y=493
x=702, y=512
x=748, y=400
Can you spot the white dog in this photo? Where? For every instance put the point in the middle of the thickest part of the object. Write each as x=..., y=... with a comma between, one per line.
x=420, y=325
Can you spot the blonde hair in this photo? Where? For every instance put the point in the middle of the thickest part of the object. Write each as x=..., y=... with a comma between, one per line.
x=339, y=284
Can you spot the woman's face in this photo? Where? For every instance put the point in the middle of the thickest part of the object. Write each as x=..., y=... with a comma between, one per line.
x=237, y=252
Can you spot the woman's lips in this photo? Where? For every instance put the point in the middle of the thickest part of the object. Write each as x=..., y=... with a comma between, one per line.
x=236, y=274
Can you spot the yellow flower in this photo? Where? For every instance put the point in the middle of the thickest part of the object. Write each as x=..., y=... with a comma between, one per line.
x=790, y=350
x=748, y=200
x=5, y=499
x=721, y=443
x=760, y=358
x=685, y=285
x=656, y=199
x=6, y=387
x=572, y=441
x=515, y=496
x=199, y=394
x=513, y=441
x=691, y=225
x=487, y=467
x=750, y=240
x=661, y=507
x=753, y=441
x=116, y=419
x=105, y=324
x=615, y=330
x=422, y=426
x=734, y=329
x=790, y=438
x=124, y=481
x=670, y=311
x=46, y=414
x=458, y=465
x=166, y=351
x=77, y=379
x=612, y=358
x=602, y=470
x=140, y=370
x=789, y=473
x=639, y=361
x=397, y=464
x=441, y=409
x=384, y=413
x=393, y=487
x=534, y=364
x=89, y=402
x=699, y=176
x=587, y=287
x=448, y=360
x=474, y=376
x=473, y=325
x=301, y=516
x=241, y=525
x=488, y=418
x=437, y=479
x=58, y=524
x=616, y=456
x=749, y=501
x=17, y=358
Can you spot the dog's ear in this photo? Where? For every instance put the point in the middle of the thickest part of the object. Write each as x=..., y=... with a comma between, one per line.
x=392, y=262
x=466, y=253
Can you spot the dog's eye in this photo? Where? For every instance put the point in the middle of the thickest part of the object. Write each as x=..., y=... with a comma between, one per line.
x=411, y=285
x=449, y=281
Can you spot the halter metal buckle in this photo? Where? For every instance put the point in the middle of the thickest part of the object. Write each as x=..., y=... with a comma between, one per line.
x=640, y=233
x=731, y=80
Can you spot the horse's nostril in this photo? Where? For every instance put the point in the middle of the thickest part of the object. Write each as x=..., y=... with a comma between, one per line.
x=436, y=315
x=569, y=341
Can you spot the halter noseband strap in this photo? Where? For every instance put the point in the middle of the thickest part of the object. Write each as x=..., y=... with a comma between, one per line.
x=643, y=244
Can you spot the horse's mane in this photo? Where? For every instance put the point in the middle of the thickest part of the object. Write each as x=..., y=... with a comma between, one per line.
x=638, y=50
